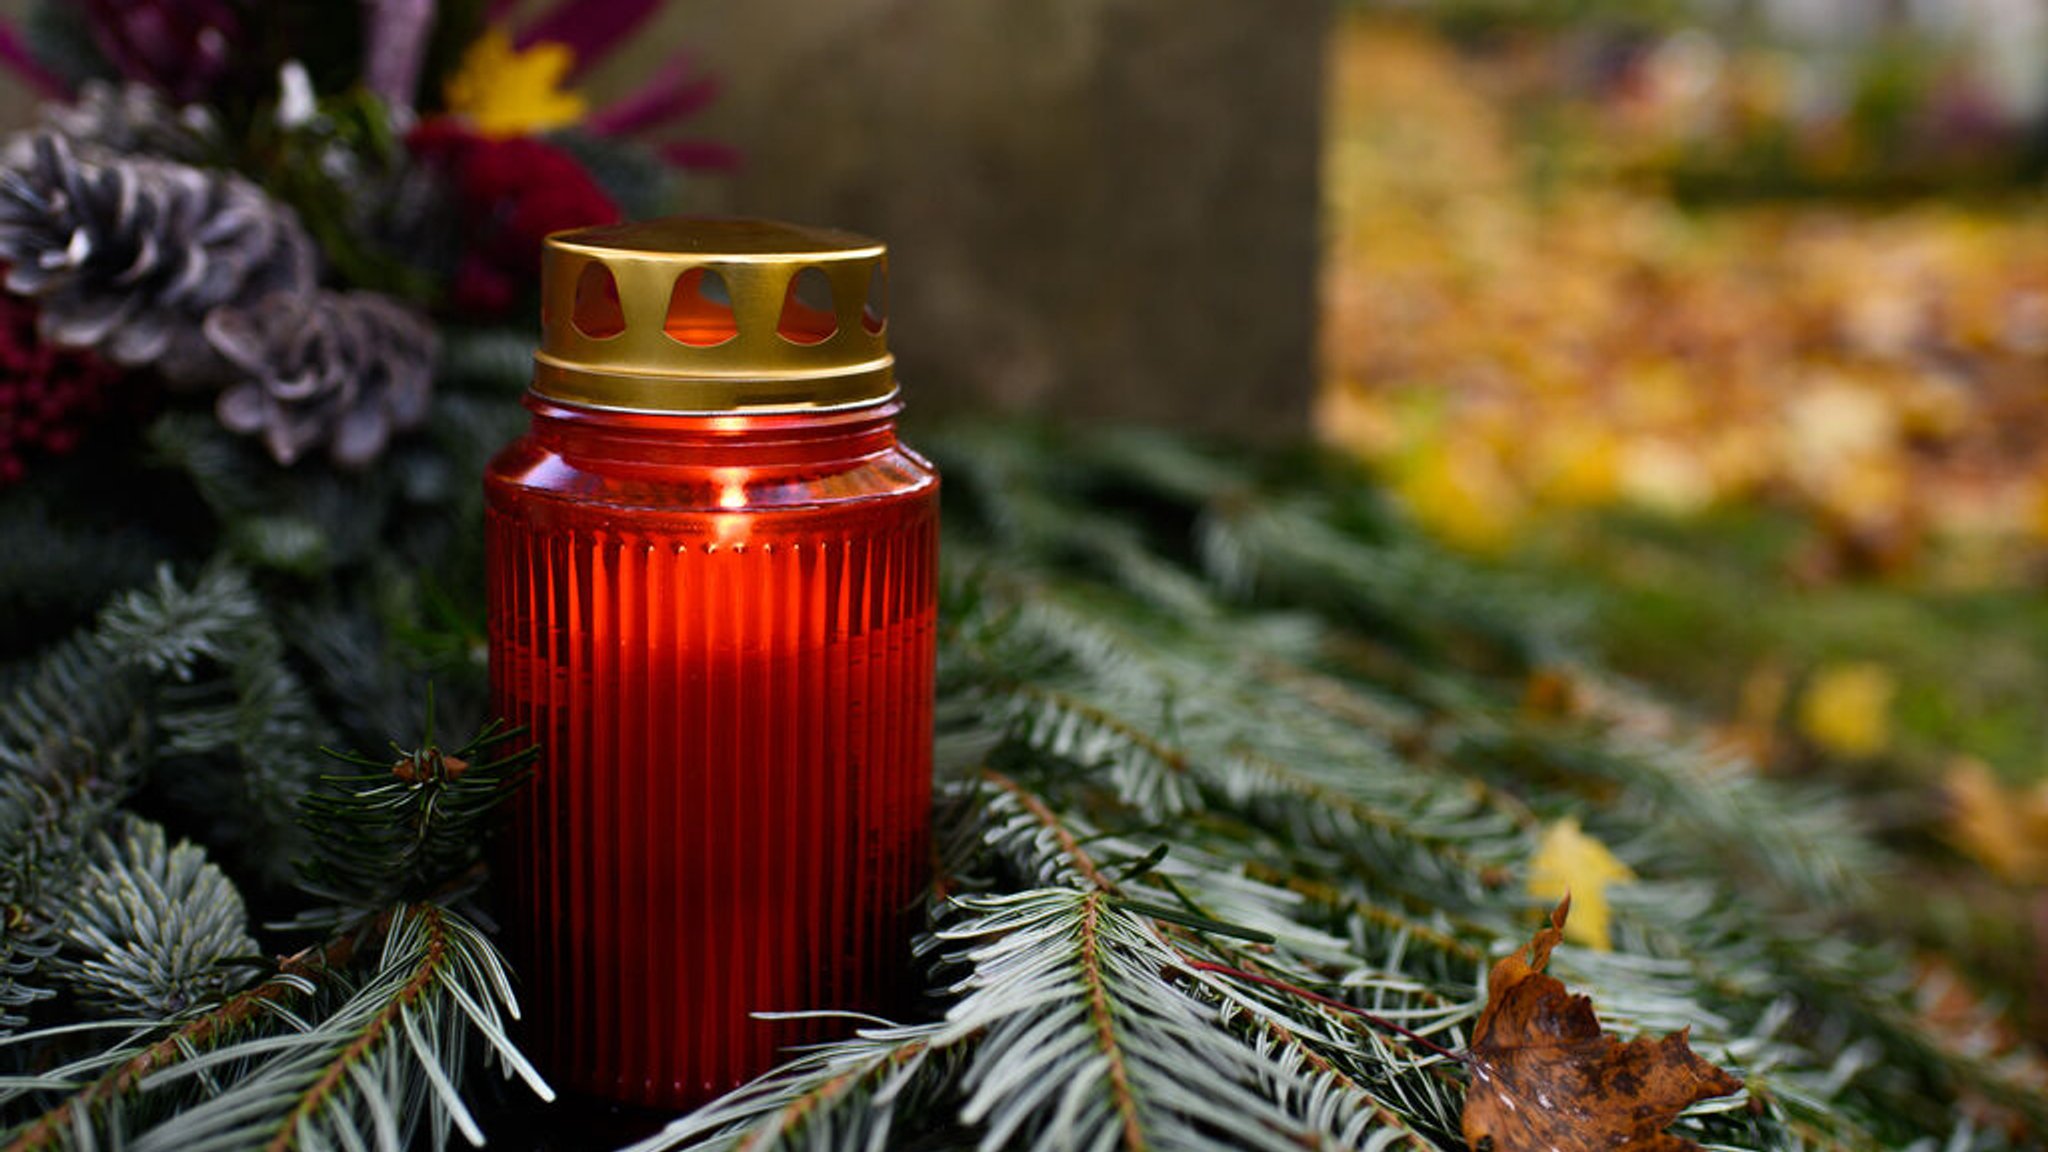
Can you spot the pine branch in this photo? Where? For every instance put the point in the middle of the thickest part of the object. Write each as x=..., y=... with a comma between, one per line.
x=385, y=1062
x=1197, y=712
x=149, y=930
x=411, y=827
x=305, y=522
x=1338, y=1102
x=178, y=674
x=71, y=748
x=390, y=1045
x=1052, y=841
x=1393, y=824
x=1416, y=1038
x=1326, y=905
x=123, y=1068
x=235, y=725
x=1087, y=1045
x=492, y=360
x=1806, y=846
x=858, y=1093
x=170, y=630
x=74, y=566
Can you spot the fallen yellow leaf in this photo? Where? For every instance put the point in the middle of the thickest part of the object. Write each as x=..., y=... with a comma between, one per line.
x=2005, y=830
x=1462, y=496
x=1846, y=708
x=1569, y=862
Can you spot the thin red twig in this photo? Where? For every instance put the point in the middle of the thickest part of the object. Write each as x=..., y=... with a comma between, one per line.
x=1415, y=1038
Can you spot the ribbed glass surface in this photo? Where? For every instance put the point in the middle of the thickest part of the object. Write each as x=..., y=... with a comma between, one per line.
x=731, y=813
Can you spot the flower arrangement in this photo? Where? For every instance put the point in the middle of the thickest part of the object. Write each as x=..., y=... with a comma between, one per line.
x=272, y=208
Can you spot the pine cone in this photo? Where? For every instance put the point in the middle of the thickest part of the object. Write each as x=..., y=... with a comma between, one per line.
x=128, y=119
x=128, y=255
x=344, y=369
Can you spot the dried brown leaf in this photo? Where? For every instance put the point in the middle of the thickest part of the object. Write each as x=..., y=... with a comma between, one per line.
x=1545, y=1078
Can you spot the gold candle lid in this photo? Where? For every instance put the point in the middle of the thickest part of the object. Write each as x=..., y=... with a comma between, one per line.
x=703, y=314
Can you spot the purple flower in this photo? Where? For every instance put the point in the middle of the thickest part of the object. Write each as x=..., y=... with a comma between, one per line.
x=590, y=28
x=394, y=47
x=182, y=47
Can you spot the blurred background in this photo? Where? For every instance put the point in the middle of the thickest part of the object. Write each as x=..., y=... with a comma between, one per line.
x=1733, y=317
x=1727, y=318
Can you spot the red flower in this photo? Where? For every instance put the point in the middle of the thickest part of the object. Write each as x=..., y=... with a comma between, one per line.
x=509, y=194
x=50, y=397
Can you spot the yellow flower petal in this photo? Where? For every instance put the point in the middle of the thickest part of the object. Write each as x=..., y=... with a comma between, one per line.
x=1569, y=861
x=504, y=91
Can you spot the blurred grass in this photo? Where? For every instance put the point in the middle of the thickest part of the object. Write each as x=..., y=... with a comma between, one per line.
x=1707, y=607
x=1703, y=607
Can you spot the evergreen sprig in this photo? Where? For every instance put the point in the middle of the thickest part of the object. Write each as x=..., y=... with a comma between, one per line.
x=330, y=1051
x=74, y=743
x=150, y=930
x=379, y=1069
x=410, y=826
x=222, y=691
x=191, y=679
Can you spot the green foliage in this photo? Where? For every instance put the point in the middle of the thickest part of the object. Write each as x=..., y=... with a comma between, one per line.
x=408, y=828
x=1704, y=604
x=376, y=1069
x=345, y=170
x=369, y=578
x=71, y=747
x=172, y=681
x=304, y=523
x=62, y=571
x=328, y=1052
x=149, y=930
x=1484, y=18
x=332, y=1046
x=222, y=692
x=1211, y=728
x=491, y=359
x=173, y=632
x=1155, y=764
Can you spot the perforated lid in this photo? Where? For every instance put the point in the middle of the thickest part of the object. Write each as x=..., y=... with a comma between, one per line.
x=705, y=314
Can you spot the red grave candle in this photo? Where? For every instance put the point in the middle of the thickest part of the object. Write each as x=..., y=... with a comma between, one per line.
x=712, y=598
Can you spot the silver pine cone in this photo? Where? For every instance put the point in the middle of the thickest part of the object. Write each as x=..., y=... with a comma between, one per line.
x=343, y=369
x=128, y=119
x=129, y=255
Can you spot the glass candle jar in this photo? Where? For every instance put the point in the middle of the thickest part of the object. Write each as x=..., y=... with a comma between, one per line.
x=712, y=600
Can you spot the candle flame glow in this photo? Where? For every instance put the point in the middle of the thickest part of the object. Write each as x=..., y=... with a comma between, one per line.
x=732, y=488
